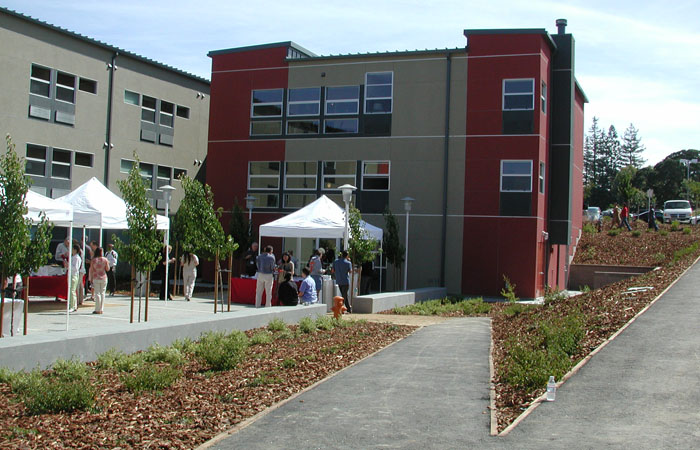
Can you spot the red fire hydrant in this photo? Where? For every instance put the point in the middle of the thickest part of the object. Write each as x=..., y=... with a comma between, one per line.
x=338, y=307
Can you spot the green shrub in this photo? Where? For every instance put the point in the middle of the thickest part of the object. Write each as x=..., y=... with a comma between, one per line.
x=508, y=291
x=687, y=230
x=285, y=334
x=636, y=233
x=67, y=388
x=585, y=288
x=220, y=351
x=277, y=324
x=155, y=353
x=446, y=306
x=185, y=346
x=70, y=370
x=7, y=375
x=150, y=377
x=663, y=233
x=563, y=334
x=325, y=323
x=589, y=228
x=530, y=368
x=614, y=232
x=679, y=254
x=261, y=337
x=552, y=295
x=515, y=309
x=307, y=325
x=264, y=379
x=288, y=363
x=117, y=360
x=675, y=225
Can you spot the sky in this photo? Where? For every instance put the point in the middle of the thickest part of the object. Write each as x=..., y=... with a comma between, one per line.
x=637, y=61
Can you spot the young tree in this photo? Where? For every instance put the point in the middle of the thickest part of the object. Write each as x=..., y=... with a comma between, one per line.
x=145, y=242
x=17, y=250
x=622, y=184
x=240, y=231
x=394, y=250
x=361, y=246
x=632, y=148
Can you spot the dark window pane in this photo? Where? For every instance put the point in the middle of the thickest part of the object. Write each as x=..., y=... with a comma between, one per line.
x=517, y=168
x=148, y=115
x=300, y=167
x=149, y=102
x=341, y=126
x=65, y=94
x=65, y=80
x=264, y=168
x=301, y=182
x=35, y=168
x=518, y=86
x=376, y=168
x=167, y=107
x=183, y=111
x=304, y=109
x=516, y=184
x=132, y=98
x=378, y=91
x=302, y=127
x=265, y=128
x=304, y=94
x=266, y=200
x=87, y=85
x=341, y=107
x=61, y=156
x=267, y=110
x=268, y=96
x=41, y=72
x=343, y=93
x=177, y=173
x=164, y=172
x=83, y=159
x=60, y=171
x=517, y=102
x=39, y=88
x=379, y=78
x=36, y=151
x=166, y=120
x=376, y=183
x=264, y=183
x=378, y=106
x=298, y=200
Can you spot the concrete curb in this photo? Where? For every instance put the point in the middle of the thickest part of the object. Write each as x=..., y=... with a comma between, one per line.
x=223, y=435
x=583, y=362
x=492, y=386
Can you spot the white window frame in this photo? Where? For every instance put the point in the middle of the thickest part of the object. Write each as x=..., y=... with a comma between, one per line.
x=504, y=94
x=137, y=104
x=28, y=158
x=40, y=80
x=184, y=109
x=504, y=161
x=65, y=86
x=163, y=113
x=126, y=159
x=253, y=105
x=264, y=176
x=372, y=175
x=61, y=163
x=287, y=194
x=265, y=134
x=318, y=123
x=149, y=186
x=92, y=155
x=155, y=116
x=287, y=176
x=543, y=97
x=87, y=79
x=159, y=178
x=355, y=119
x=348, y=100
x=543, y=168
x=303, y=102
x=273, y=193
x=333, y=175
x=390, y=98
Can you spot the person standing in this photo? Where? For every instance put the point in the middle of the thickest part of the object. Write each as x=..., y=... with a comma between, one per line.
x=160, y=273
x=287, y=292
x=316, y=269
x=266, y=278
x=367, y=277
x=89, y=253
x=249, y=259
x=624, y=216
x=189, y=263
x=113, y=258
x=63, y=252
x=342, y=267
x=294, y=261
x=615, y=217
x=76, y=263
x=651, y=219
x=99, y=266
x=307, y=290
x=285, y=266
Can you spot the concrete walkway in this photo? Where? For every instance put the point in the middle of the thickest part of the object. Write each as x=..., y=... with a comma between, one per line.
x=430, y=390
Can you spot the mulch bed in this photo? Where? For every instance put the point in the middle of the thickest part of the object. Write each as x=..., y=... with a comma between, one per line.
x=200, y=404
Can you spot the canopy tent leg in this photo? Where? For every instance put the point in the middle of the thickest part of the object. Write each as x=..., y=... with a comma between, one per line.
x=70, y=271
x=26, y=303
x=381, y=265
x=166, y=283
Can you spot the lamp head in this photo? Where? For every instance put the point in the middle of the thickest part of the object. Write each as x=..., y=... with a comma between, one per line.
x=167, y=192
x=407, y=203
x=347, y=190
x=249, y=201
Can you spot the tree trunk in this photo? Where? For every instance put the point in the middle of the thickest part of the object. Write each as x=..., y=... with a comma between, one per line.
x=26, y=303
x=148, y=294
x=12, y=311
x=216, y=279
x=230, y=272
x=133, y=278
x=2, y=302
x=177, y=272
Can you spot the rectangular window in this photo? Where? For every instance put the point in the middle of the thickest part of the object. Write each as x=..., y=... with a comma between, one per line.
x=132, y=98
x=338, y=173
x=178, y=173
x=163, y=177
x=379, y=89
x=266, y=200
x=146, y=172
x=296, y=201
x=83, y=159
x=183, y=111
x=516, y=176
x=38, y=189
x=543, y=98
x=167, y=112
x=518, y=94
x=126, y=165
x=541, y=177
x=304, y=102
x=338, y=199
x=264, y=175
x=266, y=128
x=87, y=85
x=40, y=81
x=375, y=175
x=335, y=126
x=35, y=163
x=148, y=109
x=60, y=164
x=302, y=127
x=300, y=175
x=342, y=100
x=65, y=87
x=267, y=103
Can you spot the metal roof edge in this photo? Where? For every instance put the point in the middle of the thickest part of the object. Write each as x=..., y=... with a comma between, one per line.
x=388, y=53
x=247, y=48
x=580, y=89
x=541, y=31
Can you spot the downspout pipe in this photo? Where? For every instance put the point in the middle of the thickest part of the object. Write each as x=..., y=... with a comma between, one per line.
x=445, y=166
x=108, y=137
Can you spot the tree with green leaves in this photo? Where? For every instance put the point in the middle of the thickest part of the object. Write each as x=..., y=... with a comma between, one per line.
x=240, y=231
x=632, y=148
x=145, y=242
x=19, y=251
x=361, y=246
x=591, y=152
x=394, y=250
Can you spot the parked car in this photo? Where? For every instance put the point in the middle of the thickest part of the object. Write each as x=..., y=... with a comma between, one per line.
x=592, y=214
x=679, y=210
x=659, y=214
x=607, y=213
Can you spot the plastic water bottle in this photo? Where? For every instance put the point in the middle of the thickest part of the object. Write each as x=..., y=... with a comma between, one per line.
x=551, y=389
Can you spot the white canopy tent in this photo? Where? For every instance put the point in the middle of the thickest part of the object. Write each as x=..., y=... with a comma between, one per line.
x=57, y=212
x=321, y=219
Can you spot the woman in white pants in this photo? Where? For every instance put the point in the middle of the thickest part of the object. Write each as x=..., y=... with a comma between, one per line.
x=189, y=263
x=76, y=261
x=99, y=266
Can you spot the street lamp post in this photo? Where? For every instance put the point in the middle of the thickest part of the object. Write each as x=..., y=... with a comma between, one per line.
x=167, y=193
x=407, y=204
x=347, y=190
x=250, y=203
x=687, y=163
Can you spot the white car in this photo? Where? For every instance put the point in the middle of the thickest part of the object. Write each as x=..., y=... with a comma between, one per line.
x=679, y=210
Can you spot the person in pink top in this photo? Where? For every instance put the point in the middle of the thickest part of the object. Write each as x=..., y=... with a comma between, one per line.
x=99, y=266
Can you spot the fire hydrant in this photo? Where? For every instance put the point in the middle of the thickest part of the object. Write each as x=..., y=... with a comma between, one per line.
x=338, y=307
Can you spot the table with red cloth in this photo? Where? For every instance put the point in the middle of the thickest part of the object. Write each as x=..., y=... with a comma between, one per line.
x=53, y=286
x=243, y=291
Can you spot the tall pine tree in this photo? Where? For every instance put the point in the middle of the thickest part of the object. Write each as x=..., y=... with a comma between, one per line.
x=591, y=153
x=632, y=148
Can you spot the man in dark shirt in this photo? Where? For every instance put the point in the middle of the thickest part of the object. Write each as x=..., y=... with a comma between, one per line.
x=342, y=267
x=287, y=291
x=266, y=269
x=249, y=258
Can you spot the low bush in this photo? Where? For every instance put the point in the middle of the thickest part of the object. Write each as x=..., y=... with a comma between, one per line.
x=171, y=355
x=114, y=359
x=552, y=295
x=446, y=306
x=261, y=337
x=307, y=325
x=325, y=323
x=663, y=233
x=186, y=346
x=589, y=228
x=70, y=370
x=221, y=351
x=150, y=377
x=675, y=225
x=508, y=291
x=285, y=334
x=614, y=232
x=516, y=309
x=288, y=363
x=277, y=324
x=636, y=233
x=687, y=230
x=679, y=254
x=264, y=379
x=67, y=388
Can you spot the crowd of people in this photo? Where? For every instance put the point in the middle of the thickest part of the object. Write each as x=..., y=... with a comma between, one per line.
x=620, y=218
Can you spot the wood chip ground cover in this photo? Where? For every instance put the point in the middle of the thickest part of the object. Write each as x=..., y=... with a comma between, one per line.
x=200, y=404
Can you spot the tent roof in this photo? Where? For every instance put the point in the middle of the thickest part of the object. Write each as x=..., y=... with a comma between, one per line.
x=320, y=219
x=57, y=212
x=95, y=206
